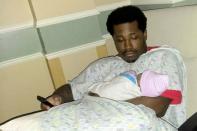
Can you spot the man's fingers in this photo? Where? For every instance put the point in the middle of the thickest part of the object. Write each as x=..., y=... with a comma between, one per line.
x=54, y=100
x=44, y=107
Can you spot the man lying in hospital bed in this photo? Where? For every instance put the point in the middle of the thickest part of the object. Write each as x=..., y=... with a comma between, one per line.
x=96, y=113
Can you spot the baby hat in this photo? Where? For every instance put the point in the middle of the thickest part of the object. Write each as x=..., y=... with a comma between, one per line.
x=153, y=84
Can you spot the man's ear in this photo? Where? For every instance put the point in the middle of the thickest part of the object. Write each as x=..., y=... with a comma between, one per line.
x=145, y=34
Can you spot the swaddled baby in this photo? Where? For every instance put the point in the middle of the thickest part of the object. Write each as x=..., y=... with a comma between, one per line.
x=129, y=85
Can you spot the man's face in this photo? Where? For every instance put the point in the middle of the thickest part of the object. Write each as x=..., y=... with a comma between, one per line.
x=130, y=41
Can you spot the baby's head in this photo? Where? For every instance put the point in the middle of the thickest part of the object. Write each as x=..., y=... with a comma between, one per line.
x=153, y=83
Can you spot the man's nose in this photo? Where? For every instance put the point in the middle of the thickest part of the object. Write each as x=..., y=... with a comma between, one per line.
x=128, y=45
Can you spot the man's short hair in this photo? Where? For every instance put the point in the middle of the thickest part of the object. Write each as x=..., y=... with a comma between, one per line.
x=126, y=14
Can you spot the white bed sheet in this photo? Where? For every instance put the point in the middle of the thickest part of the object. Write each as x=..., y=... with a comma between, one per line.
x=91, y=114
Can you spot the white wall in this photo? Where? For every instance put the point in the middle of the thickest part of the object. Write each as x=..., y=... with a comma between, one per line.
x=174, y=26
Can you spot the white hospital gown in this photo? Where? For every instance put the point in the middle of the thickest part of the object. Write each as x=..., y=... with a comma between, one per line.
x=101, y=70
x=162, y=60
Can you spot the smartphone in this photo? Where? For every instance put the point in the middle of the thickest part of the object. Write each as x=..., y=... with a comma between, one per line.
x=44, y=101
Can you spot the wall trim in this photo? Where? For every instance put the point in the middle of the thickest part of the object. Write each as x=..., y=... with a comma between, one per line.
x=66, y=18
x=112, y=6
x=152, y=2
x=20, y=59
x=16, y=27
x=75, y=49
x=107, y=36
x=177, y=1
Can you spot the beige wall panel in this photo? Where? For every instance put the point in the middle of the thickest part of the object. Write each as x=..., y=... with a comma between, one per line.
x=106, y=2
x=101, y=51
x=174, y=26
x=20, y=83
x=50, y=8
x=56, y=72
x=74, y=63
x=14, y=12
x=111, y=48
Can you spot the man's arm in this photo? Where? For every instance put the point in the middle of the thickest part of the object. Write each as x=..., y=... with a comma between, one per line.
x=65, y=93
x=89, y=75
x=158, y=104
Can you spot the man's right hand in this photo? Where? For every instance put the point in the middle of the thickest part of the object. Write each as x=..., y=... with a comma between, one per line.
x=54, y=100
x=61, y=95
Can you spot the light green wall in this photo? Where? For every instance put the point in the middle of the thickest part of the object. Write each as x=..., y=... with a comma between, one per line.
x=102, y=21
x=55, y=38
x=19, y=43
x=63, y=35
x=70, y=34
x=155, y=6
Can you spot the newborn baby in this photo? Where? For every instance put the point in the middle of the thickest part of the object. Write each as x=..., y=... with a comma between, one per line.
x=129, y=85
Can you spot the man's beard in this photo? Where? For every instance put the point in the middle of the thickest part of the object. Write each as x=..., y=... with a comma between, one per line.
x=129, y=59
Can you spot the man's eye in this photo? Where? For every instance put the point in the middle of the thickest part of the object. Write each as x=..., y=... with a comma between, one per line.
x=119, y=40
x=134, y=37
